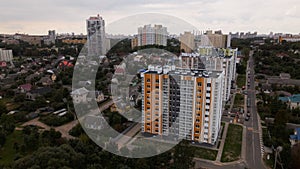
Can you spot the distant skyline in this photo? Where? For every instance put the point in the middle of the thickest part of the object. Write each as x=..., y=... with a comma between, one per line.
x=66, y=16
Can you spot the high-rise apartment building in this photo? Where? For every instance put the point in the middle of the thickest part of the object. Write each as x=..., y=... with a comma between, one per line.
x=52, y=36
x=149, y=35
x=213, y=59
x=6, y=55
x=187, y=42
x=96, y=36
x=183, y=103
x=216, y=39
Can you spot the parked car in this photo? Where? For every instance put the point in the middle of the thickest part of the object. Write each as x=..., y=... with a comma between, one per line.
x=247, y=118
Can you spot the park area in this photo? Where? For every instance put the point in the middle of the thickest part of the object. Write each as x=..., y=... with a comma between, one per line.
x=233, y=144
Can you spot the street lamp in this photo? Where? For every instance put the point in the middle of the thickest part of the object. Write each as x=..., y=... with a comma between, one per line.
x=277, y=154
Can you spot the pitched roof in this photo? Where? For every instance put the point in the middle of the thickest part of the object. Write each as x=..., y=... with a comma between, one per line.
x=297, y=135
x=294, y=98
x=94, y=120
x=80, y=91
x=26, y=87
x=41, y=91
x=119, y=70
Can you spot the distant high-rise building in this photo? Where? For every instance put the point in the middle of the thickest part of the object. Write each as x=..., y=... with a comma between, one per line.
x=134, y=42
x=6, y=55
x=149, y=35
x=183, y=103
x=217, y=39
x=187, y=42
x=52, y=36
x=96, y=36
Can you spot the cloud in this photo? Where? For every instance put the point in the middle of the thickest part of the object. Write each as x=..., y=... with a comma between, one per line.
x=34, y=16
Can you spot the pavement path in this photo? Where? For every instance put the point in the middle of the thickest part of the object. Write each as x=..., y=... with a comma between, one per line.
x=218, y=159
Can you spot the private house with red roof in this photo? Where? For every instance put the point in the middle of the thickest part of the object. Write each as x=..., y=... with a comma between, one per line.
x=25, y=88
x=120, y=71
x=3, y=64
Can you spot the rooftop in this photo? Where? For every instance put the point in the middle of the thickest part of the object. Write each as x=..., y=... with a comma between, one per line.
x=296, y=136
x=294, y=98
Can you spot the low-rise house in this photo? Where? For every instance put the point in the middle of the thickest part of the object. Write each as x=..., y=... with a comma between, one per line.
x=120, y=71
x=97, y=96
x=292, y=101
x=29, y=78
x=45, y=81
x=3, y=64
x=80, y=95
x=285, y=76
x=25, y=88
x=295, y=138
x=84, y=83
x=33, y=94
x=94, y=122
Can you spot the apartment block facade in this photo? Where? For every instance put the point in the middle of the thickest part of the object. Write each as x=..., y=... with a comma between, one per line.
x=96, y=36
x=213, y=59
x=149, y=35
x=183, y=103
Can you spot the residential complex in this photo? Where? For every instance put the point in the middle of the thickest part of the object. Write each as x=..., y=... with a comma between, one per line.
x=96, y=36
x=149, y=35
x=213, y=59
x=187, y=42
x=216, y=39
x=183, y=103
x=6, y=55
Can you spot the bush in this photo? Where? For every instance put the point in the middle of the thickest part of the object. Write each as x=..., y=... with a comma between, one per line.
x=54, y=120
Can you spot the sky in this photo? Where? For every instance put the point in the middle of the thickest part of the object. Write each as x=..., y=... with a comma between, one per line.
x=66, y=16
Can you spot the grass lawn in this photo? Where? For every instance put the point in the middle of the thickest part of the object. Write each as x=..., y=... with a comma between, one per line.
x=241, y=80
x=233, y=144
x=7, y=152
x=238, y=100
x=204, y=153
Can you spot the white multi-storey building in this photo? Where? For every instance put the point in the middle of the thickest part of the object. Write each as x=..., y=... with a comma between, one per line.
x=213, y=59
x=149, y=35
x=96, y=36
x=6, y=55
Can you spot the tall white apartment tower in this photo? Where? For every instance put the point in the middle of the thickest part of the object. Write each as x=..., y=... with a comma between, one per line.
x=96, y=36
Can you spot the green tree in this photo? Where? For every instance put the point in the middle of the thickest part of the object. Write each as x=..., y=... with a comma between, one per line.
x=183, y=156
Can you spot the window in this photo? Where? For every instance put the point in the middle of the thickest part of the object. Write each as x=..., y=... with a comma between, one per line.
x=199, y=84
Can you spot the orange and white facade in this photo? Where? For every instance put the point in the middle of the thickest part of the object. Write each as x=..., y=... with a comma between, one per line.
x=183, y=103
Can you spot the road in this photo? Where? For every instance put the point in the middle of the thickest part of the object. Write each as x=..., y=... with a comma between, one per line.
x=64, y=129
x=253, y=146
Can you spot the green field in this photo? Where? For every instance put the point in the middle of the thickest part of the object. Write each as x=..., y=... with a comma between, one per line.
x=241, y=80
x=7, y=152
x=204, y=153
x=238, y=100
x=233, y=144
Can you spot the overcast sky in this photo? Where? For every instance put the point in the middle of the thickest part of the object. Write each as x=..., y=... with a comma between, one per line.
x=38, y=16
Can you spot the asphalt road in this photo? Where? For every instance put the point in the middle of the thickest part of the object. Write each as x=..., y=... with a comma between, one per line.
x=253, y=146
